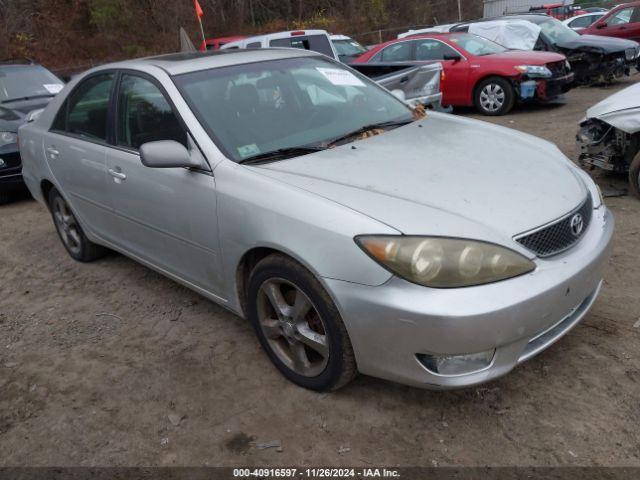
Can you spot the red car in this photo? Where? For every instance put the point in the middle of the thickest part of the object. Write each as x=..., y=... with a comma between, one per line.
x=216, y=43
x=479, y=72
x=622, y=21
x=558, y=10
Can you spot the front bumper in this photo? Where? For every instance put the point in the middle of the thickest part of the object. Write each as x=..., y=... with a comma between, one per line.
x=545, y=89
x=389, y=325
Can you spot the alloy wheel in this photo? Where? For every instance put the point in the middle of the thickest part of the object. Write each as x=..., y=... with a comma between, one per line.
x=67, y=225
x=293, y=327
x=492, y=97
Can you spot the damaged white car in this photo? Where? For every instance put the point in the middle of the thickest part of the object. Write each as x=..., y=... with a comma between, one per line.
x=609, y=136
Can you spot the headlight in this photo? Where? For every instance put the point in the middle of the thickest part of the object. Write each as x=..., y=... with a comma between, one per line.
x=444, y=262
x=534, y=71
x=7, y=138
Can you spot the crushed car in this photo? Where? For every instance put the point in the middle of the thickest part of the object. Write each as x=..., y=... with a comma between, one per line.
x=609, y=136
x=594, y=59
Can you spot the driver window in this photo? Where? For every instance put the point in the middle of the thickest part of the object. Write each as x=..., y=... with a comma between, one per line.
x=622, y=17
x=432, y=50
x=145, y=115
x=399, y=52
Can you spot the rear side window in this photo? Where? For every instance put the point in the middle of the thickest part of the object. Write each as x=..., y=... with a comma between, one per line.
x=317, y=43
x=145, y=115
x=85, y=113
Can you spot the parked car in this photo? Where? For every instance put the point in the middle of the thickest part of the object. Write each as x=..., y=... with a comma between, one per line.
x=580, y=22
x=299, y=194
x=420, y=31
x=217, y=43
x=595, y=9
x=558, y=10
x=24, y=86
x=609, y=136
x=418, y=85
x=593, y=59
x=479, y=72
x=347, y=48
x=622, y=21
x=315, y=40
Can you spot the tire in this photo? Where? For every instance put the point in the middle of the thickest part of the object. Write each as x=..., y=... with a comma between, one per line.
x=634, y=175
x=76, y=243
x=5, y=197
x=494, y=96
x=305, y=325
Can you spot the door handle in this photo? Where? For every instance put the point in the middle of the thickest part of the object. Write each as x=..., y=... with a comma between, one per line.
x=53, y=153
x=117, y=175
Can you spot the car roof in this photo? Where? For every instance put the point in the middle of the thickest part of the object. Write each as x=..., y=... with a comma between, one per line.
x=179, y=63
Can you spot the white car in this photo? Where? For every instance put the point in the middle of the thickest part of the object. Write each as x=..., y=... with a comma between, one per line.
x=580, y=22
x=420, y=31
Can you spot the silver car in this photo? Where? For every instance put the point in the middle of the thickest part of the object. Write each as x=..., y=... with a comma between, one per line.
x=438, y=252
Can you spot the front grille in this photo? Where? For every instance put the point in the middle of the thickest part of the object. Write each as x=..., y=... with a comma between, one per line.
x=558, y=69
x=560, y=235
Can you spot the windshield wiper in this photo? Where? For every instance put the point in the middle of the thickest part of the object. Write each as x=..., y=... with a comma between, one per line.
x=282, y=154
x=31, y=97
x=367, y=128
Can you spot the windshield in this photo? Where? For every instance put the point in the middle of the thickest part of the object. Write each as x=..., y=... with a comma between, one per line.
x=19, y=81
x=476, y=45
x=558, y=32
x=348, y=48
x=257, y=108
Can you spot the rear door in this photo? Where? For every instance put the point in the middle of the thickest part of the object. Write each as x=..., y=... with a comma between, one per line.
x=166, y=216
x=75, y=149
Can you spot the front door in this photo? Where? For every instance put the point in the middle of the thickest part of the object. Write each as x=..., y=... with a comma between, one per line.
x=167, y=216
x=623, y=24
x=75, y=149
x=456, y=72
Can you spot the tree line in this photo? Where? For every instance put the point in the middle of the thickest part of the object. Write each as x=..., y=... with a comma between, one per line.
x=63, y=34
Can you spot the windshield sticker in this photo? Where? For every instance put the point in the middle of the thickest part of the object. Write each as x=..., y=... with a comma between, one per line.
x=340, y=77
x=53, y=87
x=248, y=150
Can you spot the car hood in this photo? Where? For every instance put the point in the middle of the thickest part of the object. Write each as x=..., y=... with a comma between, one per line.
x=622, y=109
x=14, y=114
x=522, y=57
x=443, y=175
x=606, y=44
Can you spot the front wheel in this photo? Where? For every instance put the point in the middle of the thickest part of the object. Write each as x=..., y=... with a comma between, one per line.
x=634, y=175
x=494, y=96
x=76, y=243
x=299, y=326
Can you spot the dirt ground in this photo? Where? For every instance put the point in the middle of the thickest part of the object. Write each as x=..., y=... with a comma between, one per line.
x=111, y=364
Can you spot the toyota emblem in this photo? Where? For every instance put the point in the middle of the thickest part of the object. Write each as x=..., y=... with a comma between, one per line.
x=577, y=224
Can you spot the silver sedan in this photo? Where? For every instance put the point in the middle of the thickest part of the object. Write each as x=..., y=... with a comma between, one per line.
x=355, y=235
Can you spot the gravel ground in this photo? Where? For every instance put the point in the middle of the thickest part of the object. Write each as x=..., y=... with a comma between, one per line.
x=112, y=364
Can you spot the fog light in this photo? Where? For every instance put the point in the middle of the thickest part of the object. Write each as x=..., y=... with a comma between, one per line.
x=456, y=364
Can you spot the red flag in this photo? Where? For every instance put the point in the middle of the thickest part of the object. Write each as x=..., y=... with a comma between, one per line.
x=199, y=11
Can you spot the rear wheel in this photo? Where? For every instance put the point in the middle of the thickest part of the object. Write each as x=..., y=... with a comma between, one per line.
x=76, y=243
x=299, y=326
x=494, y=96
x=634, y=175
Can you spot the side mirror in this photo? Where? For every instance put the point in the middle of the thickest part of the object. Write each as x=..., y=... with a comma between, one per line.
x=167, y=154
x=601, y=25
x=399, y=94
x=456, y=57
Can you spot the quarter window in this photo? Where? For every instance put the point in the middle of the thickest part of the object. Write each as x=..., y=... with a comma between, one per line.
x=86, y=111
x=145, y=115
